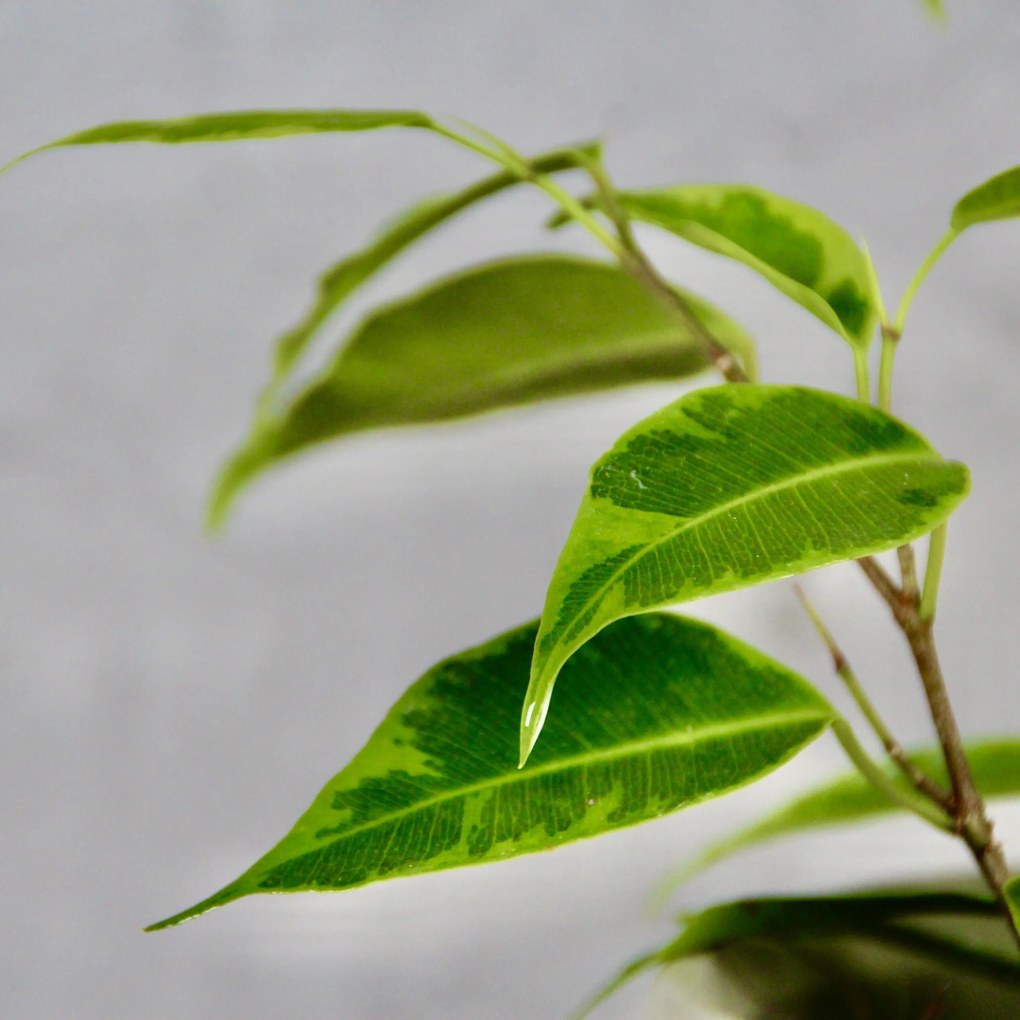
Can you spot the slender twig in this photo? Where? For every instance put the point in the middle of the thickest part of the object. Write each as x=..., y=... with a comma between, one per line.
x=878, y=778
x=908, y=571
x=922, y=782
x=933, y=572
x=638, y=264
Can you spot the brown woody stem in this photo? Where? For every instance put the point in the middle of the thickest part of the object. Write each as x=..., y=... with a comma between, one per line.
x=967, y=807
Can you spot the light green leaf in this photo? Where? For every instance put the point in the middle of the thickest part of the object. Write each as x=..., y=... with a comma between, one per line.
x=936, y=8
x=503, y=334
x=342, y=279
x=660, y=713
x=997, y=199
x=851, y=798
x=237, y=126
x=798, y=953
x=729, y=487
x=797, y=249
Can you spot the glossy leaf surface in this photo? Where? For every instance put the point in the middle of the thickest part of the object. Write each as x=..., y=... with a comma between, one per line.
x=660, y=712
x=878, y=954
x=343, y=278
x=996, y=199
x=729, y=487
x=851, y=798
x=797, y=249
x=237, y=126
x=499, y=335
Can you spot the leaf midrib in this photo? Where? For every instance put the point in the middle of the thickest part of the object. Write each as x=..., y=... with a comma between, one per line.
x=787, y=483
x=673, y=739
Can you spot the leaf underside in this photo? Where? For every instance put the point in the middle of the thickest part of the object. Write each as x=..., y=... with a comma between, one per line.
x=729, y=487
x=799, y=250
x=503, y=334
x=663, y=712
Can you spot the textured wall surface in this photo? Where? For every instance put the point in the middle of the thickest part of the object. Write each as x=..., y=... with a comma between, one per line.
x=170, y=704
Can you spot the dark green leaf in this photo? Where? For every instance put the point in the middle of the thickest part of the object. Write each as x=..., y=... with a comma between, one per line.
x=661, y=712
x=342, y=279
x=797, y=249
x=851, y=798
x=498, y=335
x=886, y=955
x=1012, y=892
x=726, y=488
x=997, y=199
x=237, y=126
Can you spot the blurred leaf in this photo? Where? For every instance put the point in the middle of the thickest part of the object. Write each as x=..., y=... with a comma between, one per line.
x=997, y=199
x=800, y=251
x=729, y=487
x=936, y=8
x=873, y=955
x=1012, y=893
x=660, y=713
x=851, y=798
x=503, y=334
x=343, y=278
x=237, y=126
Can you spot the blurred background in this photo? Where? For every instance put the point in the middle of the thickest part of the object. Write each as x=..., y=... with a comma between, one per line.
x=171, y=703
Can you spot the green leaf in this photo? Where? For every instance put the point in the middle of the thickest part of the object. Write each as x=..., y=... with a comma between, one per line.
x=343, y=278
x=1012, y=894
x=800, y=251
x=726, y=488
x=503, y=334
x=851, y=798
x=660, y=713
x=794, y=941
x=237, y=126
x=997, y=199
x=936, y=8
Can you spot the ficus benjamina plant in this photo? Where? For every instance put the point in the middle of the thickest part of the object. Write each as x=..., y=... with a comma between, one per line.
x=610, y=708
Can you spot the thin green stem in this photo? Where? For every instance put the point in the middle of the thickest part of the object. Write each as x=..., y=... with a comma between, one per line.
x=513, y=161
x=933, y=573
x=878, y=778
x=862, y=375
x=918, y=278
x=890, y=343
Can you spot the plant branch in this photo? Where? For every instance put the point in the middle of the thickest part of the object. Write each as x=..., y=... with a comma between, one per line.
x=635, y=261
x=878, y=778
x=922, y=782
x=968, y=810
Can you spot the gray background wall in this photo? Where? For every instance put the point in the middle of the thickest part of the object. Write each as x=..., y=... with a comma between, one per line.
x=170, y=704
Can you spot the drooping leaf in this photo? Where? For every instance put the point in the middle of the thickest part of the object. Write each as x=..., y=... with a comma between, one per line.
x=851, y=798
x=996, y=199
x=237, y=126
x=661, y=712
x=503, y=334
x=800, y=251
x=729, y=487
x=866, y=954
x=343, y=278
